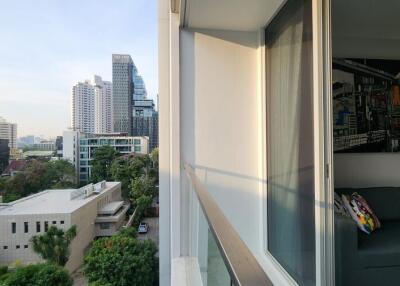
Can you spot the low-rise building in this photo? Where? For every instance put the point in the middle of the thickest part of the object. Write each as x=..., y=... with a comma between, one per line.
x=96, y=210
x=79, y=148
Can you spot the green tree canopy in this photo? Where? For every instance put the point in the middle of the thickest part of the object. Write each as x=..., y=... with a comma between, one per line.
x=54, y=244
x=38, y=176
x=121, y=261
x=38, y=275
x=101, y=163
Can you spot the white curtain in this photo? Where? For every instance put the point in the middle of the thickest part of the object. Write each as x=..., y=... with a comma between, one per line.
x=291, y=232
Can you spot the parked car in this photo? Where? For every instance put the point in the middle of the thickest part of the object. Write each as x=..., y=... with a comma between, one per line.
x=143, y=227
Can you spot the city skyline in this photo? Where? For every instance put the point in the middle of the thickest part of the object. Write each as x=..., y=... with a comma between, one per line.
x=36, y=79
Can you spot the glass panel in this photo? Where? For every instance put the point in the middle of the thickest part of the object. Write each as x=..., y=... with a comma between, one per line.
x=290, y=200
x=217, y=274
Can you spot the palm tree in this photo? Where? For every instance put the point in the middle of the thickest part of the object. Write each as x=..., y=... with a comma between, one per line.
x=54, y=244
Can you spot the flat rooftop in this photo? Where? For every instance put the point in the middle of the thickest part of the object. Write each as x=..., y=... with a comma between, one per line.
x=50, y=202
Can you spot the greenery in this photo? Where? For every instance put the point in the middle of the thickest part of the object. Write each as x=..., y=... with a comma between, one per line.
x=38, y=176
x=121, y=260
x=101, y=163
x=37, y=275
x=54, y=244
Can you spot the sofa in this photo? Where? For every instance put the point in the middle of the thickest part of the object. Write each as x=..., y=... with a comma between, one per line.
x=369, y=259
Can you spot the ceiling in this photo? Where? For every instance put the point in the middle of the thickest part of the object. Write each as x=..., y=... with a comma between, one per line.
x=235, y=15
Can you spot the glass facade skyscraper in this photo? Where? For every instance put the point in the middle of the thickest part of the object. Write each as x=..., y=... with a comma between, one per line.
x=139, y=87
x=122, y=67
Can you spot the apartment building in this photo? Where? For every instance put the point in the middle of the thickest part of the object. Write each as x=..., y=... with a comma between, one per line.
x=96, y=210
x=82, y=107
x=79, y=148
x=103, y=108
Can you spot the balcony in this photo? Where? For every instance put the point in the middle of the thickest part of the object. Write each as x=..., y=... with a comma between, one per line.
x=217, y=255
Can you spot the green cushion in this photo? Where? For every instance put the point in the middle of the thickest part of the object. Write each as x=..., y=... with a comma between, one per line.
x=385, y=202
x=381, y=248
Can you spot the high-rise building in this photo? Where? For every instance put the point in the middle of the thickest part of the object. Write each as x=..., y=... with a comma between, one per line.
x=145, y=121
x=9, y=131
x=82, y=109
x=103, y=105
x=4, y=154
x=139, y=88
x=122, y=69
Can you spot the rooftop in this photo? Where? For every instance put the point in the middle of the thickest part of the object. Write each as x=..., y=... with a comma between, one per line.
x=50, y=202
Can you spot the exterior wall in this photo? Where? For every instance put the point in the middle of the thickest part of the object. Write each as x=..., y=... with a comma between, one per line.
x=220, y=126
x=11, y=240
x=366, y=170
x=70, y=147
x=84, y=219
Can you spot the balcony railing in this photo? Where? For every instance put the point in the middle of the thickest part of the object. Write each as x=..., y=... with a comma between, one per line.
x=228, y=260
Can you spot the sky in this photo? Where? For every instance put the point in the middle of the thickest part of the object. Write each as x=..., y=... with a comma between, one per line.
x=46, y=46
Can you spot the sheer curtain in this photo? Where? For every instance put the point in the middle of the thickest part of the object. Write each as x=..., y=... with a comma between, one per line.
x=291, y=223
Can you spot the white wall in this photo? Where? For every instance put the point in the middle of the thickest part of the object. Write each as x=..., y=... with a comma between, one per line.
x=220, y=127
x=360, y=170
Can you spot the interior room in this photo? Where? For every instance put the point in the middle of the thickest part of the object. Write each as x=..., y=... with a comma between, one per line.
x=366, y=141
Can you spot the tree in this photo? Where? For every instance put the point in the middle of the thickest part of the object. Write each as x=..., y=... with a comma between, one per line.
x=38, y=176
x=54, y=244
x=126, y=170
x=121, y=261
x=101, y=163
x=142, y=186
x=37, y=275
x=154, y=163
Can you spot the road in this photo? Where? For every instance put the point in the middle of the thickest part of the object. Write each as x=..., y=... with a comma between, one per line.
x=153, y=233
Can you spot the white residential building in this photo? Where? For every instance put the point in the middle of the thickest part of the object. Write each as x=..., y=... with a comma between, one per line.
x=82, y=109
x=96, y=210
x=8, y=131
x=103, y=109
x=79, y=148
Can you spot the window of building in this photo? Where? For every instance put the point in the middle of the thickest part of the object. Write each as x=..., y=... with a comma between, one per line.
x=25, y=246
x=5, y=247
x=38, y=226
x=26, y=227
x=13, y=227
x=290, y=141
x=54, y=222
x=17, y=246
x=104, y=225
x=46, y=226
x=138, y=149
x=62, y=222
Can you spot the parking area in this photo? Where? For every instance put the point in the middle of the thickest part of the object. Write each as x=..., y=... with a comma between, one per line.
x=153, y=233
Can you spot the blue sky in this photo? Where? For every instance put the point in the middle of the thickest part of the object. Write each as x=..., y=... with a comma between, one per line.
x=48, y=45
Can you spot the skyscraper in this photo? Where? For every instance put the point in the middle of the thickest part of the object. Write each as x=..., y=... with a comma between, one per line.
x=103, y=105
x=122, y=69
x=82, y=109
x=139, y=88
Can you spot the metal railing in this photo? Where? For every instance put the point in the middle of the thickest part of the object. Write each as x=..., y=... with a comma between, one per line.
x=243, y=268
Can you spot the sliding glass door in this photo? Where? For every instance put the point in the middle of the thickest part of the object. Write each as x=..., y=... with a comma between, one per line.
x=296, y=186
